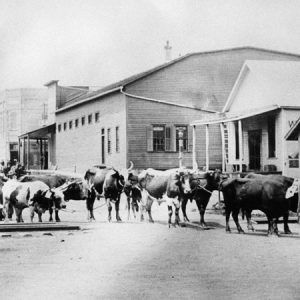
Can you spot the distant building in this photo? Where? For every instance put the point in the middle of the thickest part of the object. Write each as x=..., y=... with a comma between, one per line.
x=21, y=110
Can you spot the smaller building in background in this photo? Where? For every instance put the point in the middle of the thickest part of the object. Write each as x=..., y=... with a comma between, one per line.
x=262, y=107
x=21, y=110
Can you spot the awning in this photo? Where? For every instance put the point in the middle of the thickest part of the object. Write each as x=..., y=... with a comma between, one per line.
x=294, y=132
x=39, y=133
x=234, y=116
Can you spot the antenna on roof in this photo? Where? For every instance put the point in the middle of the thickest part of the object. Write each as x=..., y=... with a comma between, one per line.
x=168, y=50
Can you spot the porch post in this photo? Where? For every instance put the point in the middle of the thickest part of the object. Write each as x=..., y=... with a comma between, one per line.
x=240, y=145
x=195, y=165
x=28, y=149
x=223, y=146
x=207, y=147
x=19, y=148
x=41, y=153
x=23, y=150
x=298, y=209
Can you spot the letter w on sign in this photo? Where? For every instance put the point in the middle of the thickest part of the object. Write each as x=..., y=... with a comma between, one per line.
x=292, y=189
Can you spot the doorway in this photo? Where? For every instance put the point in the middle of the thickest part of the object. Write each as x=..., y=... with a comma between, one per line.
x=254, y=142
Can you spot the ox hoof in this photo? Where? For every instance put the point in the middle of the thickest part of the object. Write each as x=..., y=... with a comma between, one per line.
x=151, y=221
x=186, y=219
x=288, y=232
x=57, y=220
x=228, y=231
x=241, y=231
x=119, y=220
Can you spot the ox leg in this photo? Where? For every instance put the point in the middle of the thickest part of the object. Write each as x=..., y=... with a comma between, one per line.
x=109, y=207
x=57, y=219
x=227, y=213
x=285, y=223
x=50, y=214
x=40, y=215
x=142, y=209
x=235, y=216
x=170, y=212
x=90, y=206
x=31, y=208
x=128, y=208
x=183, y=208
x=135, y=208
x=10, y=211
x=117, y=206
x=177, y=207
x=249, y=222
x=201, y=207
x=148, y=209
x=18, y=212
x=272, y=226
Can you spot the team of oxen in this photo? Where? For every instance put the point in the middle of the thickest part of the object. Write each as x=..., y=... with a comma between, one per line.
x=176, y=187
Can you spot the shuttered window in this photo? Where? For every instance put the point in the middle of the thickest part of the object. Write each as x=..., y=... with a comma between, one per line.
x=161, y=138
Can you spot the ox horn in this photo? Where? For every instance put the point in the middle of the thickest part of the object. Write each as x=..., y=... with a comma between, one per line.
x=131, y=166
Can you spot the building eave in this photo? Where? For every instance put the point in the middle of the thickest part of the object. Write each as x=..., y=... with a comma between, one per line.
x=86, y=100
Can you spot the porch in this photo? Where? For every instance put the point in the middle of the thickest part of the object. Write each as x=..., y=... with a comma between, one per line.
x=251, y=141
x=37, y=148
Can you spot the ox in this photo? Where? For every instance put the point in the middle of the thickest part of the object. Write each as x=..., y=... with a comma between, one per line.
x=110, y=183
x=202, y=186
x=36, y=195
x=265, y=194
x=73, y=189
x=287, y=182
x=172, y=184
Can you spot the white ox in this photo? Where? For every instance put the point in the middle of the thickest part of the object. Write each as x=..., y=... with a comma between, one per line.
x=37, y=195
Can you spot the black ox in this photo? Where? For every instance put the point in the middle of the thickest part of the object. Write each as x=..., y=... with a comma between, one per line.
x=265, y=193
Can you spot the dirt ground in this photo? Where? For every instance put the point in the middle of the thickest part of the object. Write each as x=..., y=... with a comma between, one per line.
x=133, y=260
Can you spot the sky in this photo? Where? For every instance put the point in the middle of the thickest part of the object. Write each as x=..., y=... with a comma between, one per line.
x=98, y=42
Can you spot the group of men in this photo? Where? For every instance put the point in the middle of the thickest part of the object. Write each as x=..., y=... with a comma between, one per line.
x=11, y=169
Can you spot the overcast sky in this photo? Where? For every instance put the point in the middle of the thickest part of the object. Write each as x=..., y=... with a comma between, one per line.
x=97, y=42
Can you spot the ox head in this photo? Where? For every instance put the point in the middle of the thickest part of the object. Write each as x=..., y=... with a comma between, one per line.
x=55, y=197
x=214, y=179
x=184, y=180
x=73, y=190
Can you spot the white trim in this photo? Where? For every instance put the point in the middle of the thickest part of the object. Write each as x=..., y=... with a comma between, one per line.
x=236, y=118
x=88, y=99
x=243, y=73
x=165, y=102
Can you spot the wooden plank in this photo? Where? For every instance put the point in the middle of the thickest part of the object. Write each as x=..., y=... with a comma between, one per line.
x=8, y=227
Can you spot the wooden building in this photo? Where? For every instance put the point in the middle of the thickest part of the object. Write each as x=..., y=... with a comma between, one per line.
x=261, y=108
x=139, y=119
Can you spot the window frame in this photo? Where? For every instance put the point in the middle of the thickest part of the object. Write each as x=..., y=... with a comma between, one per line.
x=90, y=119
x=82, y=120
x=108, y=133
x=185, y=139
x=97, y=117
x=155, y=140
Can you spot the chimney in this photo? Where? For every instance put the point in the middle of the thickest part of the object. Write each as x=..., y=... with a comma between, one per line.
x=168, y=50
x=52, y=100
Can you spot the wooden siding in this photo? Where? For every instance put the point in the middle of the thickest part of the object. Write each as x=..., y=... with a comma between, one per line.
x=204, y=80
x=142, y=114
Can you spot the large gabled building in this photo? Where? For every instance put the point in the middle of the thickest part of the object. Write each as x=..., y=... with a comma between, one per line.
x=139, y=119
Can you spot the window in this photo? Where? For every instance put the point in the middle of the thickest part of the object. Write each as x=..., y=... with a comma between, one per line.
x=108, y=141
x=65, y=126
x=117, y=140
x=158, y=138
x=97, y=117
x=237, y=141
x=70, y=124
x=59, y=127
x=271, y=136
x=90, y=119
x=82, y=121
x=76, y=123
x=184, y=131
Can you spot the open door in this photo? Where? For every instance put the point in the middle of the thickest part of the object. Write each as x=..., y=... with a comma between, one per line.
x=254, y=142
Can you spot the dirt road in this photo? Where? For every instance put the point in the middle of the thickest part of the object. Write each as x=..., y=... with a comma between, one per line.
x=133, y=260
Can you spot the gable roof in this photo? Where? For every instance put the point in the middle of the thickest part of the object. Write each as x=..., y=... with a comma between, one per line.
x=129, y=80
x=277, y=82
